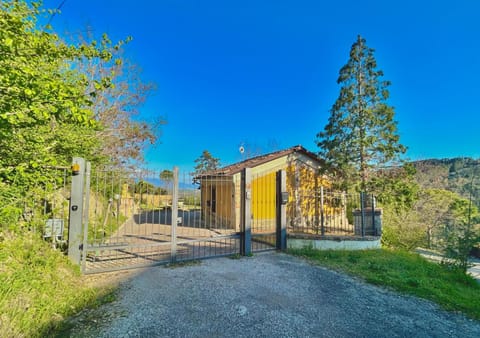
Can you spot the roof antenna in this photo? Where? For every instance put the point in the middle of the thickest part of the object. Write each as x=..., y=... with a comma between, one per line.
x=241, y=149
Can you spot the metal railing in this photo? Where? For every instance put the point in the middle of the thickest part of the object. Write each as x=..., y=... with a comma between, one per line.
x=147, y=217
x=45, y=205
x=263, y=210
x=120, y=219
x=331, y=213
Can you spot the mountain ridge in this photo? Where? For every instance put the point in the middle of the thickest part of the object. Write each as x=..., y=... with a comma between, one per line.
x=459, y=174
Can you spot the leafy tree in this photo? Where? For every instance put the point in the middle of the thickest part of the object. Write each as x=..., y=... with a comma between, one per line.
x=458, y=242
x=166, y=175
x=43, y=101
x=460, y=175
x=458, y=233
x=38, y=84
x=205, y=163
x=398, y=193
x=396, y=186
x=167, y=178
x=438, y=208
x=144, y=187
x=435, y=218
x=361, y=133
x=46, y=113
x=124, y=136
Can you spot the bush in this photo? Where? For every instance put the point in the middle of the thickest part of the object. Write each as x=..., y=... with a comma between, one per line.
x=457, y=243
x=39, y=287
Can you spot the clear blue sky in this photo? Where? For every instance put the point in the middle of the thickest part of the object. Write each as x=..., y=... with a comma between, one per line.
x=263, y=72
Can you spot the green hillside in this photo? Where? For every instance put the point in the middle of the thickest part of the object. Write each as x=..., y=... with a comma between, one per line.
x=460, y=175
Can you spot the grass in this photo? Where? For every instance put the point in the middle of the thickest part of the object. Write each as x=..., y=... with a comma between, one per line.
x=98, y=232
x=235, y=256
x=406, y=272
x=39, y=288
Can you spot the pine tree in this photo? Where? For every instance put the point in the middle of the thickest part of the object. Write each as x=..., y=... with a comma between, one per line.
x=361, y=133
x=205, y=163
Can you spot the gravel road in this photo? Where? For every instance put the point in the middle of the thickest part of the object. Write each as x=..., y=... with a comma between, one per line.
x=268, y=295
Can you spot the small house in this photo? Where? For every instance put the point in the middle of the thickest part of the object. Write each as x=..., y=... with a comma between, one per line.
x=221, y=189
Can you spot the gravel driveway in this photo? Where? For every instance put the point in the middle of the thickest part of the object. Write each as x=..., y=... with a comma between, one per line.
x=268, y=295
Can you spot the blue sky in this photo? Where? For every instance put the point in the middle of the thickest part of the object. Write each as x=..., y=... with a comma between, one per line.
x=264, y=73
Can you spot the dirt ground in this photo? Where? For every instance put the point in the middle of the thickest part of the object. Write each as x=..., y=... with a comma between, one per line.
x=269, y=294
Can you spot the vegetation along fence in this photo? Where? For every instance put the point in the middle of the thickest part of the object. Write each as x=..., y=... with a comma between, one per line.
x=45, y=205
x=332, y=213
x=121, y=219
x=146, y=217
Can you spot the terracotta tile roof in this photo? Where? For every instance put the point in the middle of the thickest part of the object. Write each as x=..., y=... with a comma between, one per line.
x=258, y=160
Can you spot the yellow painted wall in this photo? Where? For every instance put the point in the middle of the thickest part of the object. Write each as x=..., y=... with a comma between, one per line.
x=263, y=191
x=264, y=196
x=302, y=184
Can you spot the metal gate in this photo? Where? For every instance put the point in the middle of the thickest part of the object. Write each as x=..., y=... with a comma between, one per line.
x=123, y=219
x=267, y=205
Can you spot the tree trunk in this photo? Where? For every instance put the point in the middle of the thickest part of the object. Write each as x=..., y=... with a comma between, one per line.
x=362, y=124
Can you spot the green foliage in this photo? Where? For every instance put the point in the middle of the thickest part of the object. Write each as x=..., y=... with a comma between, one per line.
x=104, y=226
x=39, y=287
x=143, y=187
x=430, y=207
x=46, y=114
x=405, y=272
x=401, y=229
x=457, y=232
x=460, y=175
x=166, y=175
x=124, y=133
x=458, y=242
x=39, y=84
x=205, y=163
x=58, y=100
x=191, y=199
x=397, y=193
x=425, y=220
x=361, y=133
x=51, y=110
x=395, y=187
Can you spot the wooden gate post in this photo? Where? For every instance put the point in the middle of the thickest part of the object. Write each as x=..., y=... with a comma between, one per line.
x=245, y=213
x=76, y=209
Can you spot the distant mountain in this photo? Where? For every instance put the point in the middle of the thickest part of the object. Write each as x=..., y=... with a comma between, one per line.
x=182, y=185
x=460, y=175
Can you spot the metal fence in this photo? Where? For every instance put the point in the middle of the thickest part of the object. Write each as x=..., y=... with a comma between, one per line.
x=206, y=225
x=45, y=205
x=123, y=219
x=147, y=217
x=263, y=210
x=326, y=212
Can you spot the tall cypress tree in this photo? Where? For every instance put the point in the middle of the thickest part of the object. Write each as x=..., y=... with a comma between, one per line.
x=361, y=133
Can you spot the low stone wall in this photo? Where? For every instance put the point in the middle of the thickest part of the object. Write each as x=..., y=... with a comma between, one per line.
x=333, y=242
